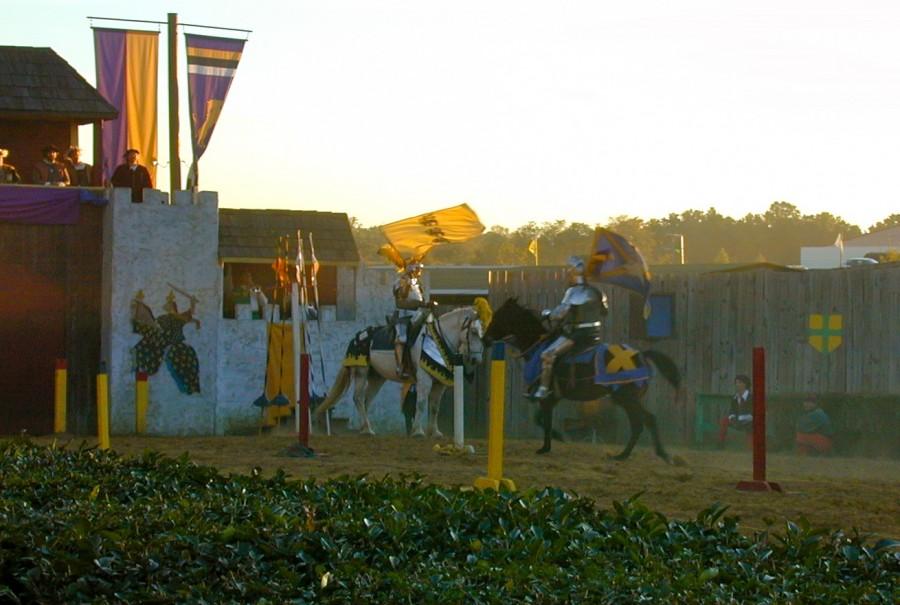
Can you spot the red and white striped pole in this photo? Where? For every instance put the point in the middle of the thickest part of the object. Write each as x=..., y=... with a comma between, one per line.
x=759, y=483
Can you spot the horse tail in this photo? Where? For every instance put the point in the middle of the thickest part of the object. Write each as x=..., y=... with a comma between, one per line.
x=665, y=365
x=341, y=382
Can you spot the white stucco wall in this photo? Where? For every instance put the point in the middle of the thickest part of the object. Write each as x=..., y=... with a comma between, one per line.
x=242, y=358
x=147, y=246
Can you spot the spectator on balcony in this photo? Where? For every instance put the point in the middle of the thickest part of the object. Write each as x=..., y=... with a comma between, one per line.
x=8, y=173
x=79, y=172
x=814, y=429
x=50, y=171
x=740, y=415
x=132, y=175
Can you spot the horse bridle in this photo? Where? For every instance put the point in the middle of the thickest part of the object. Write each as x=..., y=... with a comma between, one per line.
x=464, y=327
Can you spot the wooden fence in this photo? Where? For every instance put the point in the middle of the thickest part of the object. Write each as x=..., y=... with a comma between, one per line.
x=717, y=319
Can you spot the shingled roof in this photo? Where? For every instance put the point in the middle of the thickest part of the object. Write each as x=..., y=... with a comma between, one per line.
x=38, y=83
x=253, y=234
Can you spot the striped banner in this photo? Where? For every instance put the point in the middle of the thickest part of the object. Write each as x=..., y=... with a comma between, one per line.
x=212, y=63
x=127, y=73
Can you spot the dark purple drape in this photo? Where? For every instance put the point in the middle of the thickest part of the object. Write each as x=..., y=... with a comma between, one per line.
x=43, y=205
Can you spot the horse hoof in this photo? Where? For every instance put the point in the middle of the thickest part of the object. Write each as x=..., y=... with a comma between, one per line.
x=677, y=461
x=543, y=450
x=367, y=432
x=418, y=434
x=437, y=435
x=617, y=457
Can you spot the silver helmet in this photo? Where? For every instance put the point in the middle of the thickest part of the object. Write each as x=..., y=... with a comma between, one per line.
x=576, y=267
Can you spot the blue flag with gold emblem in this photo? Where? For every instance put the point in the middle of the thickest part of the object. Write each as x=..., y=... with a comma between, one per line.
x=614, y=260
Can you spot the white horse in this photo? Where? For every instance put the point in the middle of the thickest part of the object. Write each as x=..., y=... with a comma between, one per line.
x=461, y=331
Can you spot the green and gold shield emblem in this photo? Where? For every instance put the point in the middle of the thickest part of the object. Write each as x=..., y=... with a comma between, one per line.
x=825, y=331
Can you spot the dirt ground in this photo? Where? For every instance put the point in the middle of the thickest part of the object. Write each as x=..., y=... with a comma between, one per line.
x=832, y=492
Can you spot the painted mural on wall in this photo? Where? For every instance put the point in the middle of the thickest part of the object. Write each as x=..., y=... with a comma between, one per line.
x=163, y=338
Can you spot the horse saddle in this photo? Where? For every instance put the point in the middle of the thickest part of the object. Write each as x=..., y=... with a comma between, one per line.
x=381, y=338
x=603, y=363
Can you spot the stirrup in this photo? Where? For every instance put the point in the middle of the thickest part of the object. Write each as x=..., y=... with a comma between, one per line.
x=541, y=393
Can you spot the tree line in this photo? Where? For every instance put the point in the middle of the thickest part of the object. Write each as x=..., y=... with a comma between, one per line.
x=774, y=236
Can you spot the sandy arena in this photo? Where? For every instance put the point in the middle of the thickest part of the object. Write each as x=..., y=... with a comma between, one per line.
x=832, y=492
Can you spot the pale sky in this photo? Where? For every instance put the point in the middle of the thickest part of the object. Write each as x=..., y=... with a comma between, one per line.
x=535, y=111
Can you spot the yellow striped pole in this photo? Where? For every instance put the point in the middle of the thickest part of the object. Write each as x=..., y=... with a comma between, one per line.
x=59, y=396
x=495, y=479
x=141, y=399
x=103, y=407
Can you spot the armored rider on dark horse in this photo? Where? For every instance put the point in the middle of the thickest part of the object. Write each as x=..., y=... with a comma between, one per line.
x=577, y=319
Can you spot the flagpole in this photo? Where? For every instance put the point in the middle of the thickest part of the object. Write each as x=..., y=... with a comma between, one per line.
x=174, y=158
x=315, y=284
x=305, y=414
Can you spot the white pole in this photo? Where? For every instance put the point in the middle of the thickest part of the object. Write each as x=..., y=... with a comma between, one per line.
x=458, y=437
x=295, y=328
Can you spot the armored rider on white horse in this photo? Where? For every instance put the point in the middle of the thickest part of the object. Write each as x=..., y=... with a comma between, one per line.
x=411, y=310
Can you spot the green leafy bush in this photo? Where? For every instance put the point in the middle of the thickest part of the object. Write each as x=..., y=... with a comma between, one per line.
x=88, y=526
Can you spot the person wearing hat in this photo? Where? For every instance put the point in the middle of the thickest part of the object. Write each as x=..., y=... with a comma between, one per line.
x=8, y=173
x=740, y=414
x=578, y=317
x=79, y=172
x=132, y=175
x=49, y=171
x=814, y=429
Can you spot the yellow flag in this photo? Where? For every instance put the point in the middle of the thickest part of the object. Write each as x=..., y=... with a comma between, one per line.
x=413, y=237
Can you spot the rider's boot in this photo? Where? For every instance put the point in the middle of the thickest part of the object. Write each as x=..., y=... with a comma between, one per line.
x=543, y=391
x=398, y=357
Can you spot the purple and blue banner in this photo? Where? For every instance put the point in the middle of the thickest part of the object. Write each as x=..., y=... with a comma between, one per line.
x=127, y=76
x=614, y=260
x=212, y=63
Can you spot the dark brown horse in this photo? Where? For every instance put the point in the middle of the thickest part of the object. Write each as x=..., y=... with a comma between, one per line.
x=523, y=329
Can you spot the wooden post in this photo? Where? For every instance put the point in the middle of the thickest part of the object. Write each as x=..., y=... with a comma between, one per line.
x=759, y=483
x=103, y=407
x=303, y=434
x=174, y=159
x=60, y=399
x=141, y=399
x=301, y=379
x=458, y=387
x=494, y=479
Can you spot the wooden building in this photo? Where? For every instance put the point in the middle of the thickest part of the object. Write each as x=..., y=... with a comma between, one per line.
x=50, y=294
x=43, y=100
x=831, y=332
x=50, y=288
x=247, y=242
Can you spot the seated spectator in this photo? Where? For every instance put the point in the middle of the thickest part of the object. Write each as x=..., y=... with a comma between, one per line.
x=814, y=429
x=249, y=292
x=132, y=175
x=8, y=173
x=49, y=171
x=740, y=414
x=79, y=172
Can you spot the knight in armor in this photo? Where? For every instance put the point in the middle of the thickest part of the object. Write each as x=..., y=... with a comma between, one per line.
x=578, y=318
x=409, y=300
